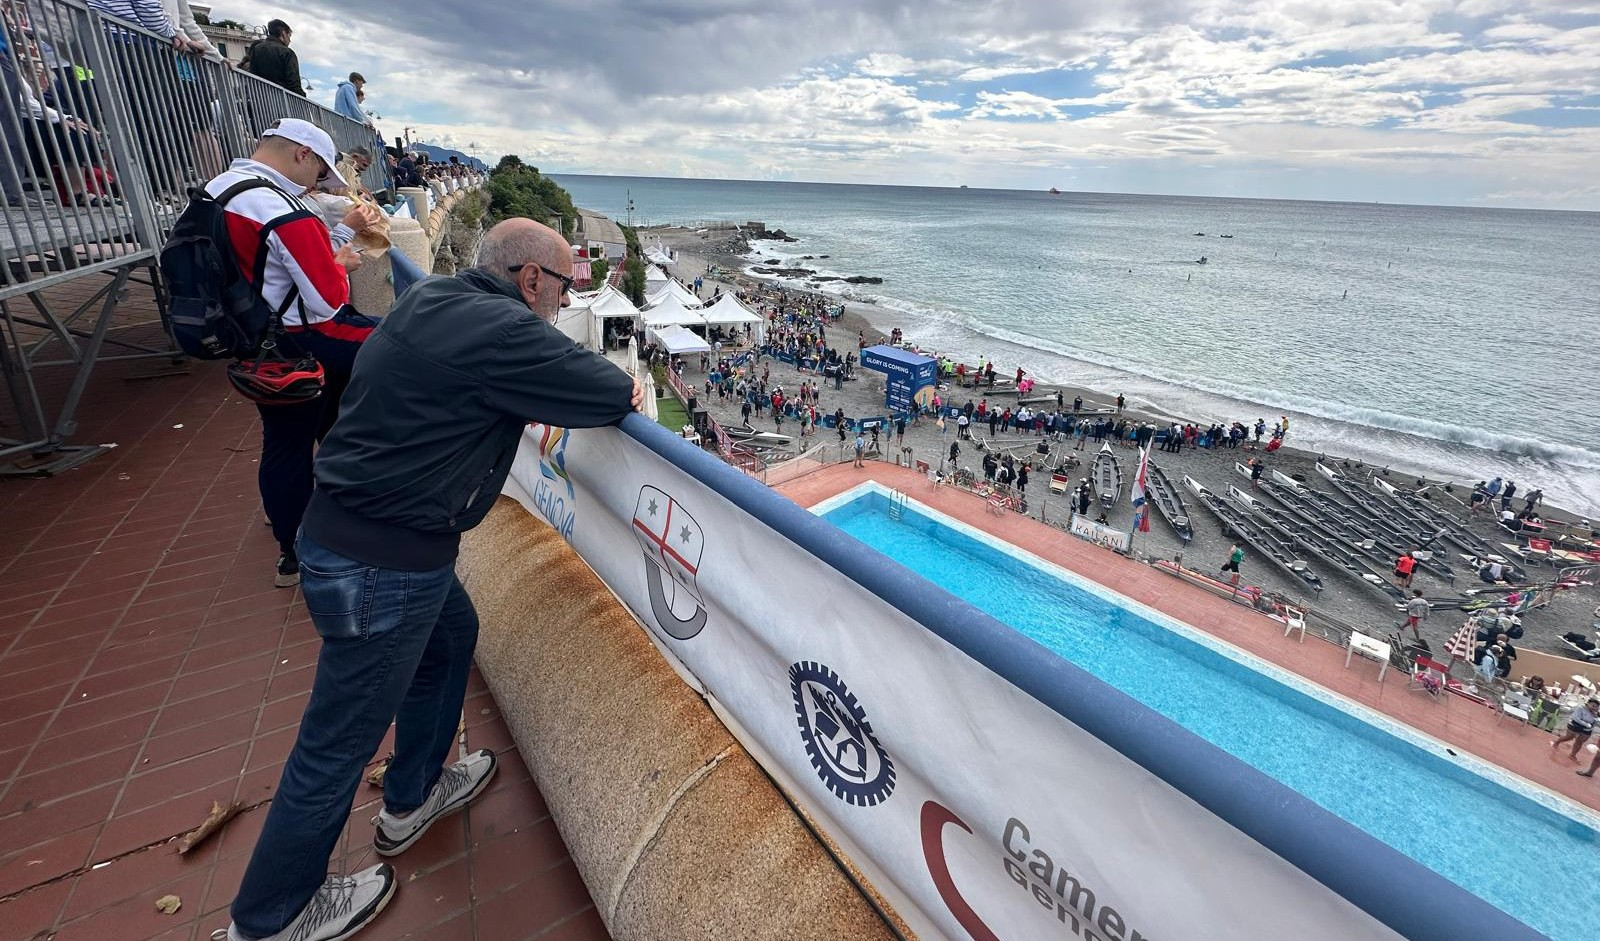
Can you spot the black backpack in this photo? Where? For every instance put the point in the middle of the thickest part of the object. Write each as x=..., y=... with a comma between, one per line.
x=214, y=311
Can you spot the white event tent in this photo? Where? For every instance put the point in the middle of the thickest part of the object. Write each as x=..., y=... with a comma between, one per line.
x=672, y=312
x=679, y=340
x=654, y=276
x=728, y=312
x=583, y=321
x=673, y=289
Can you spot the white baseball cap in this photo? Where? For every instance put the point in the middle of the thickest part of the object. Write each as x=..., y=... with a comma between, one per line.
x=306, y=134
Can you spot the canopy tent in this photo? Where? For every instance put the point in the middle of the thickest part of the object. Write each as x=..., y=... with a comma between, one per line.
x=611, y=302
x=679, y=340
x=673, y=289
x=729, y=312
x=577, y=325
x=672, y=312
x=658, y=255
x=654, y=275
x=583, y=300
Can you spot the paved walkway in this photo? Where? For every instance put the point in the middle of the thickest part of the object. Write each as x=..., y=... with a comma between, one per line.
x=148, y=668
x=1518, y=748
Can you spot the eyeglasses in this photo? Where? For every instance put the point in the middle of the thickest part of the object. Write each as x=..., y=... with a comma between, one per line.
x=566, y=280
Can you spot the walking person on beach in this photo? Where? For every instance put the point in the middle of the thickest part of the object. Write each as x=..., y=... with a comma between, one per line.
x=1416, y=610
x=861, y=447
x=1235, y=556
x=1507, y=494
x=1120, y=403
x=1404, y=568
x=1077, y=404
x=839, y=423
x=900, y=432
x=994, y=422
x=1257, y=468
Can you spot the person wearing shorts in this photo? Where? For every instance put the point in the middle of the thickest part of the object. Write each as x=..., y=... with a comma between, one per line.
x=1580, y=725
x=1235, y=556
x=1416, y=610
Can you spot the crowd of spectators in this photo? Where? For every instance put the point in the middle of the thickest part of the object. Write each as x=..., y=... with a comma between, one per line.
x=57, y=133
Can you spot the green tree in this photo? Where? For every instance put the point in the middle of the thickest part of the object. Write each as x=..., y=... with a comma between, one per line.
x=633, y=280
x=631, y=236
x=516, y=189
x=598, y=269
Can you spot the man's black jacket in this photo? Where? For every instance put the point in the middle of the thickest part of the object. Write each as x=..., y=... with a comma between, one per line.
x=437, y=403
x=277, y=63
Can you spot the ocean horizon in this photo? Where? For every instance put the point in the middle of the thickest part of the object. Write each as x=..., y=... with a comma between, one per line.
x=1442, y=340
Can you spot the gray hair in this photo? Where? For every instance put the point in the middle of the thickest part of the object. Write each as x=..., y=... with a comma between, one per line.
x=517, y=242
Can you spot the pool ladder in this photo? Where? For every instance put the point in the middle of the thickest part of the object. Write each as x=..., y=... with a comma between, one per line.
x=897, y=504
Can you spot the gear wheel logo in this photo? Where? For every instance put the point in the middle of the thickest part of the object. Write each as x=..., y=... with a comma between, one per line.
x=838, y=738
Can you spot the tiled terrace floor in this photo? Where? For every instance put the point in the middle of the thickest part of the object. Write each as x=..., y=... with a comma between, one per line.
x=148, y=668
x=1518, y=748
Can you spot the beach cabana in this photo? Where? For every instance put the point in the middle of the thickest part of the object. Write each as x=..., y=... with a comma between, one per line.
x=675, y=290
x=672, y=312
x=678, y=340
x=728, y=312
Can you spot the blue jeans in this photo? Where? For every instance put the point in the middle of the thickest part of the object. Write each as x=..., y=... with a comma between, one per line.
x=396, y=646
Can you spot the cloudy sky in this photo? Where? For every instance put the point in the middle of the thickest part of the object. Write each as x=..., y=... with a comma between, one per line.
x=1475, y=102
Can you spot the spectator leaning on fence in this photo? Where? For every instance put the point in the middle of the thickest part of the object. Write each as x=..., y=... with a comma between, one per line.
x=272, y=59
x=347, y=101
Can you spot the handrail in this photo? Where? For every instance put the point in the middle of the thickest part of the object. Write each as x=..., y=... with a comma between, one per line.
x=105, y=127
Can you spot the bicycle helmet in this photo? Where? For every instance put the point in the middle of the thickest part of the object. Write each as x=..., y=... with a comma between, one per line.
x=277, y=381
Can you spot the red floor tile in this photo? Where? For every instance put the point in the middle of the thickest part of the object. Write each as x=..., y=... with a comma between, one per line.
x=146, y=661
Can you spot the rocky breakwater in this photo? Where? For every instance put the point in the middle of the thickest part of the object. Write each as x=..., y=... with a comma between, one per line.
x=775, y=268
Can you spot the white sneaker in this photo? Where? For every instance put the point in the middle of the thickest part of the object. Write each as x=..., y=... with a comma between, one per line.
x=343, y=906
x=458, y=784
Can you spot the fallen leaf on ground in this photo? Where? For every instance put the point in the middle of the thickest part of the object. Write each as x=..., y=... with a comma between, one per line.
x=167, y=904
x=220, y=814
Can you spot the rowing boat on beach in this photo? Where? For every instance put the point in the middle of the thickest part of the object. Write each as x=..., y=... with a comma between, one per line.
x=1269, y=544
x=1368, y=573
x=1169, y=501
x=1107, y=477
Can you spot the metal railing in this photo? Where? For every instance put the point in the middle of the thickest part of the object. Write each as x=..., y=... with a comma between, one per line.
x=105, y=129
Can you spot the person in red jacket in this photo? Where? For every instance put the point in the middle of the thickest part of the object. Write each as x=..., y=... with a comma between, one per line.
x=297, y=269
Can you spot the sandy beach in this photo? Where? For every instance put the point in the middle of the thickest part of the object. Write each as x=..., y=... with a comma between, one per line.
x=1341, y=597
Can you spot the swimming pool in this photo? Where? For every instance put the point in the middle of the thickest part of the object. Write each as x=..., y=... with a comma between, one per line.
x=1528, y=852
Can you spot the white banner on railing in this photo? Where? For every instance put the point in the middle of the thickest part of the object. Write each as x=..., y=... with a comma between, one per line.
x=978, y=811
x=1097, y=533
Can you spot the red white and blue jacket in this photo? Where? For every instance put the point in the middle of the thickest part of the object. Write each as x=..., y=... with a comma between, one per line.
x=301, y=253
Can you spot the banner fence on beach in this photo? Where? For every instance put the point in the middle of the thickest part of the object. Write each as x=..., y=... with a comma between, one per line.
x=986, y=787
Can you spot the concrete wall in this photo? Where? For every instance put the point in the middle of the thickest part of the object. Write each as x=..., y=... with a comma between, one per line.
x=677, y=832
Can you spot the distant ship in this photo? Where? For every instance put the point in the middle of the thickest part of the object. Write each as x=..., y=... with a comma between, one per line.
x=1054, y=191
x=963, y=186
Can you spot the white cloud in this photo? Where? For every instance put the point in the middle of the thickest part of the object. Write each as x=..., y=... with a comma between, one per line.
x=1366, y=91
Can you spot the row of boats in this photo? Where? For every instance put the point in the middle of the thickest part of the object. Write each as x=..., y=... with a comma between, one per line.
x=1358, y=529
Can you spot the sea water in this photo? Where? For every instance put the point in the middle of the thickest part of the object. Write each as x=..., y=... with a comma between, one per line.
x=1524, y=856
x=1456, y=342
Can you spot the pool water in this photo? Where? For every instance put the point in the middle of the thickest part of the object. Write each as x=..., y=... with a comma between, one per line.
x=1522, y=851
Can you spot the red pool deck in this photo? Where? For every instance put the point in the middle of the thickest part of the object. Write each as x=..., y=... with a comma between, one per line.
x=1520, y=749
x=148, y=667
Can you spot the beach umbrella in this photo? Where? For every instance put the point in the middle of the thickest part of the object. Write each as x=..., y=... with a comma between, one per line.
x=1461, y=642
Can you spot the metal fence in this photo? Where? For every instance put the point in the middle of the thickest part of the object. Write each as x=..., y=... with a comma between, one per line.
x=103, y=130
x=106, y=128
